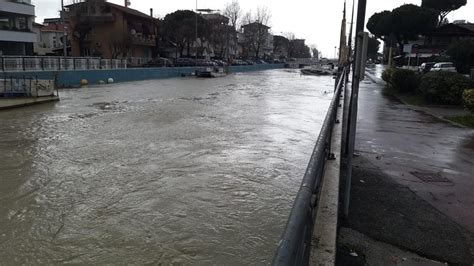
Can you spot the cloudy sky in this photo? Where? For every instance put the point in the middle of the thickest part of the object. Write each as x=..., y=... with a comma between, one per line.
x=317, y=21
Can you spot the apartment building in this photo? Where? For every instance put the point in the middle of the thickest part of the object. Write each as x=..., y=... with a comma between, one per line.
x=104, y=29
x=16, y=27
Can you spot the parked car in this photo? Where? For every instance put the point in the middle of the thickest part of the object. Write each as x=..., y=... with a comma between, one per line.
x=159, y=62
x=205, y=62
x=239, y=62
x=219, y=62
x=444, y=66
x=182, y=62
x=426, y=67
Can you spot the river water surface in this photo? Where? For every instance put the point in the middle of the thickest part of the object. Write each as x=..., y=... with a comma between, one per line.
x=174, y=171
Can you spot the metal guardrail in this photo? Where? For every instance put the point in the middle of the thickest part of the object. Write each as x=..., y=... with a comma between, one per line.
x=57, y=63
x=295, y=243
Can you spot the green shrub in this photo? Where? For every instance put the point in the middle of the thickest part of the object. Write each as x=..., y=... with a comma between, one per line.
x=404, y=80
x=444, y=87
x=387, y=75
x=468, y=99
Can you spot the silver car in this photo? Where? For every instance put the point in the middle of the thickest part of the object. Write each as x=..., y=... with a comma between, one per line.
x=444, y=66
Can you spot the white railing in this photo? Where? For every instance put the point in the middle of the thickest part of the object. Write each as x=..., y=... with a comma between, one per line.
x=137, y=61
x=57, y=63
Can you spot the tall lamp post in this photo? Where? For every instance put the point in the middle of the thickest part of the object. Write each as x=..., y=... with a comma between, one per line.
x=63, y=18
x=196, y=56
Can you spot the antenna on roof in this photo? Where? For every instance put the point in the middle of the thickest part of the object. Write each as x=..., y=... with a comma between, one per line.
x=127, y=3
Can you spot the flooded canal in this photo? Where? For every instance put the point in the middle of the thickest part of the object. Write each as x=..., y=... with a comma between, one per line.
x=174, y=171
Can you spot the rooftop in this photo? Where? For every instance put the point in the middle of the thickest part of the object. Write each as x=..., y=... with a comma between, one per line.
x=123, y=9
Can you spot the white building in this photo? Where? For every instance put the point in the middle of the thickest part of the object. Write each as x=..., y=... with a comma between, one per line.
x=16, y=27
x=50, y=37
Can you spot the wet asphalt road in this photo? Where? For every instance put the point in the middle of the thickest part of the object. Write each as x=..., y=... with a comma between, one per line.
x=182, y=171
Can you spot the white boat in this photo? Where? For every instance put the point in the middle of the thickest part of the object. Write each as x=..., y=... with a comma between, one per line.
x=322, y=70
x=211, y=72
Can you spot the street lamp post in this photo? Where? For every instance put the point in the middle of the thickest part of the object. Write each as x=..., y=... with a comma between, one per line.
x=63, y=19
x=196, y=51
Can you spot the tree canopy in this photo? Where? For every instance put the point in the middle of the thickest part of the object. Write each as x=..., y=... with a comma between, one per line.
x=379, y=24
x=373, y=48
x=462, y=53
x=409, y=21
x=180, y=28
x=443, y=7
x=403, y=24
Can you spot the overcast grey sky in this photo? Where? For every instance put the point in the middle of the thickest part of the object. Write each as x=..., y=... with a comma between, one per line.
x=317, y=21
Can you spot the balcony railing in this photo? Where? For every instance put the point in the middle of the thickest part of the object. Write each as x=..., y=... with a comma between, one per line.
x=28, y=2
x=98, y=18
x=142, y=40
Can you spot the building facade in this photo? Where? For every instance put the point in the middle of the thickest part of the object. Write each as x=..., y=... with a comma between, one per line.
x=107, y=30
x=281, y=47
x=16, y=27
x=256, y=41
x=50, y=37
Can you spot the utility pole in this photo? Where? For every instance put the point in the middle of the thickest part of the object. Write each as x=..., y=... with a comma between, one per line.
x=350, y=33
x=354, y=98
x=63, y=19
x=196, y=56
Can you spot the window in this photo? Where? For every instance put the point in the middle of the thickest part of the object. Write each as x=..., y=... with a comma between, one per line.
x=22, y=23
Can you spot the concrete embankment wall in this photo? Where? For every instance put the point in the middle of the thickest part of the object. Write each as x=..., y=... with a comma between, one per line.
x=73, y=78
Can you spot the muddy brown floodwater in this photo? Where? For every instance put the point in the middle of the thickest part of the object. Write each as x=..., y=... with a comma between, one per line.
x=174, y=171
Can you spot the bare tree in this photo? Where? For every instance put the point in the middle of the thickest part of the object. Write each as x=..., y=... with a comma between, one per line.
x=120, y=45
x=256, y=30
x=233, y=11
x=263, y=15
x=289, y=35
x=314, y=51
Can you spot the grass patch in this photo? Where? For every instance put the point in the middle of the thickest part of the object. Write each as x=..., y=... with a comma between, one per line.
x=465, y=120
x=408, y=98
x=413, y=99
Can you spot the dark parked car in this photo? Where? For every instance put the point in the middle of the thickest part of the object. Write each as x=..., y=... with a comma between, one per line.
x=183, y=62
x=159, y=62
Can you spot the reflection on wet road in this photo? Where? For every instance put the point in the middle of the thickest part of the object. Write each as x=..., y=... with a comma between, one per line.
x=182, y=171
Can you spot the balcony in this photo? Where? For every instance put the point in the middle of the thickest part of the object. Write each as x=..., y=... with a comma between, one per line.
x=98, y=18
x=22, y=7
x=17, y=36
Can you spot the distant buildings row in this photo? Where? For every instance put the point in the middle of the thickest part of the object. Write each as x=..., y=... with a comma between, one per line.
x=103, y=29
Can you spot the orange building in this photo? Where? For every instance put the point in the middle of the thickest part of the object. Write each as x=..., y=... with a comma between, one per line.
x=104, y=29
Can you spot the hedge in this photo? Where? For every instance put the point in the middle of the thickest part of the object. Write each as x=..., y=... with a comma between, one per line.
x=444, y=87
x=402, y=80
x=468, y=99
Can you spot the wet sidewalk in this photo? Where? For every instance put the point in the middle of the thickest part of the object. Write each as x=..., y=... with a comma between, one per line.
x=413, y=179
